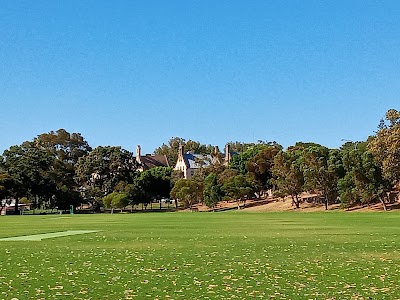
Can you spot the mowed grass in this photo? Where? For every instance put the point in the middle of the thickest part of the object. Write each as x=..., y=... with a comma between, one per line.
x=231, y=255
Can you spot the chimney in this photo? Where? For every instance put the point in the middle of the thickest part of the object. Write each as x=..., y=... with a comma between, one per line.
x=216, y=150
x=138, y=154
x=181, y=150
x=227, y=153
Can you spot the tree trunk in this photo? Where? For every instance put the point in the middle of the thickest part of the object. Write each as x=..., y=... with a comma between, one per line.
x=383, y=203
x=16, y=207
x=296, y=202
x=238, y=204
x=326, y=203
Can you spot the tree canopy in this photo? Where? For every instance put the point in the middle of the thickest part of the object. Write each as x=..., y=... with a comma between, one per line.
x=385, y=146
x=102, y=169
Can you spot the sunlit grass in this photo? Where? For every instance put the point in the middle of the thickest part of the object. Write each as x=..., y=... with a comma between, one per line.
x=235, y=255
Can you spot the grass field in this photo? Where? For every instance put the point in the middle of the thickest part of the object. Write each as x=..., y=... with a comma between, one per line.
x=231, y=255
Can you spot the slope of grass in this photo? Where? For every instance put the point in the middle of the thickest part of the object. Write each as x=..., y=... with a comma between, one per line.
x=203, y=256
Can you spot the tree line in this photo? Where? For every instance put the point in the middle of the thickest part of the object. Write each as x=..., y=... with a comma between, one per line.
x=60, y=169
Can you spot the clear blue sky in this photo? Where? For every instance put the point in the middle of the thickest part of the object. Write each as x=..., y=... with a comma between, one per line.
x=140, y=72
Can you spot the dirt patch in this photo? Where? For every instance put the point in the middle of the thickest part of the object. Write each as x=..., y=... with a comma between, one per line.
x=285, y=204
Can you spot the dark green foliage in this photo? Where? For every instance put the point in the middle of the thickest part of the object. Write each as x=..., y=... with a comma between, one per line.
x=29, y=168
x=116, y=200
x=385, y=146
x=66, y=149
x=188, y=191
x=364, y=182
x=6, y=183
x=240, y=147
x=288, y=174
x=259, y=168
x=44, y=170
x=150, y=185
x=239, y=161
x=322, y=168
x=160, y=181
x=103, y=169
x=212, y=191
x=238, y=188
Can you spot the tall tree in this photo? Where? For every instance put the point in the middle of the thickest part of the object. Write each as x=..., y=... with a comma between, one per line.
x=151, y=184
x=238, y=188
x=66, y=149
x=102, y=169
x=212, y=193
x=288, y=175
x=364, y=182
x=160, y=182
x=188, y=191
x=238, y=162
x=28, y=166
x=322, y=168
x=259, y=168
x=385, y=145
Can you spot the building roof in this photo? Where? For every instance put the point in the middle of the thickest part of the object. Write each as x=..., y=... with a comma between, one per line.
x=195, y=161
x=151, y=161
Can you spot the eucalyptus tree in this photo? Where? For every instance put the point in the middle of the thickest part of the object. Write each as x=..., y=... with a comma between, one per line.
x=238, y=162
x=259, y=168
x=288, y=175
x=385, y=146
x=188, y=191
x=322, y=169
x=364, y=182
x=238, y=188
x=212, y=193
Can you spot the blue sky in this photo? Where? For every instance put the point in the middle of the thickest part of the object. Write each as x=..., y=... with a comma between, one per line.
x=140, y=72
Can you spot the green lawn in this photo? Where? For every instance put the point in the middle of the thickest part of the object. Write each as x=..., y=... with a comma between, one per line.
x=230, y=255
